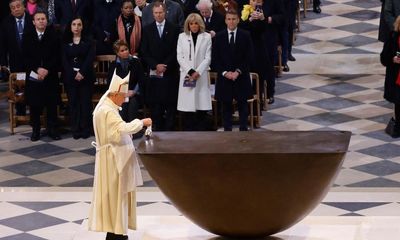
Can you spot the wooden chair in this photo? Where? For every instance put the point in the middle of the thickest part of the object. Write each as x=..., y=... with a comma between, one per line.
x=15, y=94
x=255, y=80
x=101, y=66
x=257, y=98
x=212, y=78
x=298, y=19
x=305, y=4
x=278, y=68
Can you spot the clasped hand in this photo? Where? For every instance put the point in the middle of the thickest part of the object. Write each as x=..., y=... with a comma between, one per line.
x=396, y=59
x=42, y=73
x=232, y=75
x=161, y=68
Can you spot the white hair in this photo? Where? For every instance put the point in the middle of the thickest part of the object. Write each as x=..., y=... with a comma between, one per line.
x=206, y=3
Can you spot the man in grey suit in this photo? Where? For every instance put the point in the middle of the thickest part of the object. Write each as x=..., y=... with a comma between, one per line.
x=392, y=11
x=174, y=13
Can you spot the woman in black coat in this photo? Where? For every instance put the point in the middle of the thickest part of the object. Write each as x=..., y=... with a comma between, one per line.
x=255, y=24
x=78, y=53
x=390, y=57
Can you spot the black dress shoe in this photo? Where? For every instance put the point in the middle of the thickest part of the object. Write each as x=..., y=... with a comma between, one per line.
x=85, y=135
x=112, y=236
x=35, y=136
x=54, y=135
x=76, y=135
x=317, y=9
x=286, y=68
x=291, y=58
x=271, y=100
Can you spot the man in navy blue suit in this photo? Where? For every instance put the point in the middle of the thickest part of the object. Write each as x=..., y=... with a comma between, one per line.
x=13, y=29
x=65, y=10
x=232, y=57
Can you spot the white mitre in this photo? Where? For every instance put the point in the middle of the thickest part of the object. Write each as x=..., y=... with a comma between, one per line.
x=117, y=84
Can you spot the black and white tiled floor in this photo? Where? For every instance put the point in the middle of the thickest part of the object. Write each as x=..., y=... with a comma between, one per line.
x=335, y=84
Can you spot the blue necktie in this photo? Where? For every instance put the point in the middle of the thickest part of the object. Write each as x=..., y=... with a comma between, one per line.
x=159, y=30
x=20, y=28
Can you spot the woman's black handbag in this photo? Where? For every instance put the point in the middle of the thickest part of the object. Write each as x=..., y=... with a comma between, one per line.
x=391, y=129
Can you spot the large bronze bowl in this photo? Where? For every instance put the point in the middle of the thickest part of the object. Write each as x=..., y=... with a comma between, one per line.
x=246, y=184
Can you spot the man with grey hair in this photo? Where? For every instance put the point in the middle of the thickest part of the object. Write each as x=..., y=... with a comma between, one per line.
x=214, y=21
x=13, y=29
x=174, y=13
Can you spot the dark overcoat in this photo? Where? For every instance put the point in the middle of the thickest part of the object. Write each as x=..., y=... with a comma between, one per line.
x=156, y=50
x=45, y=54
x=225, y=59
x=392, y=90
x=80, y=56
x=10, y=47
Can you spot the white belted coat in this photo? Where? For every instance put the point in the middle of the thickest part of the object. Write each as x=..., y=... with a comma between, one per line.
x=198, y=59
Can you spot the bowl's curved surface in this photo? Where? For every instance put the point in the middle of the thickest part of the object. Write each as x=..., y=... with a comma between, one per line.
x=248, y=184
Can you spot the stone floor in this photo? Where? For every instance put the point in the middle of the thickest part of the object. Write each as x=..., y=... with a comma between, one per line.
x=335, y=84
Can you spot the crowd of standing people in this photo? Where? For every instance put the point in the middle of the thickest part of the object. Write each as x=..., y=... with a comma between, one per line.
x=166, y=47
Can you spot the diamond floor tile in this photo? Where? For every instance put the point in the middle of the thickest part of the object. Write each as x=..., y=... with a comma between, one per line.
x=31, y=221
x=41, y=151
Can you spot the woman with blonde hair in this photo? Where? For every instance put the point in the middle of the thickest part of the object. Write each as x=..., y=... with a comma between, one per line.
x=390, y=57
x=194, y=57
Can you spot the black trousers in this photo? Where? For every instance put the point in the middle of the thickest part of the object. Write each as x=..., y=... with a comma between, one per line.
x=80, y=108
x=228, y=111
x=36, y=111
x=163, y=116
x=397, y=113
x=271, y=46
x=195, y=121
x=316, y=3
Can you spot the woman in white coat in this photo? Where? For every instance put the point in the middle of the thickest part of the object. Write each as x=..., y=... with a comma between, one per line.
x=194, y=57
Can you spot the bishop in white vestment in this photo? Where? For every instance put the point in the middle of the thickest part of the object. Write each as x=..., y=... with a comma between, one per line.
x=117, y=172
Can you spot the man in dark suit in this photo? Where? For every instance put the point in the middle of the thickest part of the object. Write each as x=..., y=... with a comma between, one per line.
x=65, y=10
x=4, y=10
x=213, y=20
x=174, y=13
x=384, y=30
x=188, y=6
x=13, y=29
x=391, y=12
x=274, y=17
x=42, y=84
x=232, y=57
x=104, y=27
x=159, y=41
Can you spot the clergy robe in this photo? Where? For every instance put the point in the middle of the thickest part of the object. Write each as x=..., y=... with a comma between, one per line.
x=117, y=172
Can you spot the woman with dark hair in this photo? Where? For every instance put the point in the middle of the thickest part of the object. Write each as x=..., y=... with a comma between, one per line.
x=129, y=27
x=124, y=65
x=390, y=57
x=78, y=53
